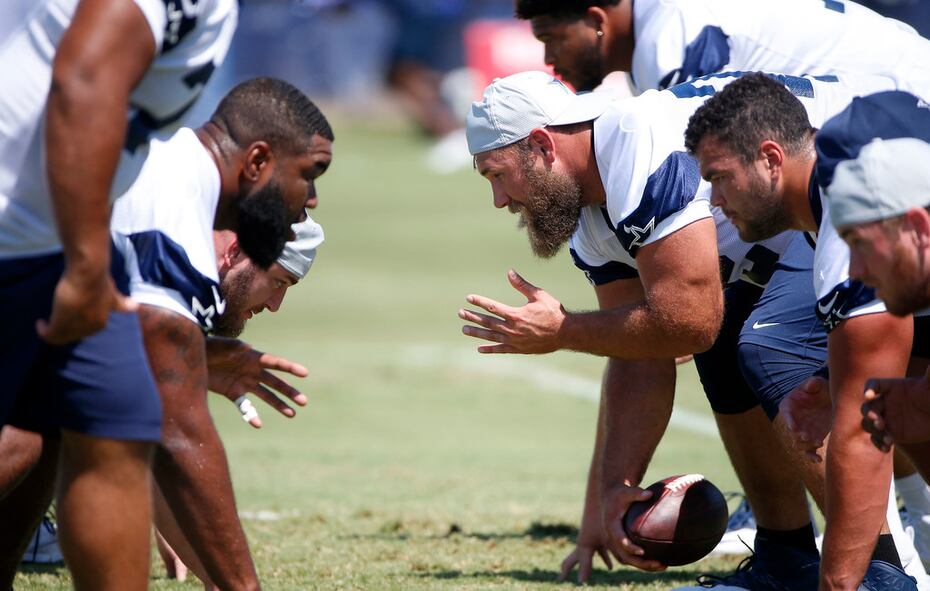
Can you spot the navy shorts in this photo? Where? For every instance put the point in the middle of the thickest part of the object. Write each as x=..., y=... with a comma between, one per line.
x=100, y=386
x=718, y=367
x=783, y=342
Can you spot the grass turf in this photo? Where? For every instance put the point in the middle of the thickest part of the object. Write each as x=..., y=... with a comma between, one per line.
x=420, y=464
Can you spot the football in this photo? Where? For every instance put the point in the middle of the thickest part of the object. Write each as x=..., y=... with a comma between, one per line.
x=682, y=521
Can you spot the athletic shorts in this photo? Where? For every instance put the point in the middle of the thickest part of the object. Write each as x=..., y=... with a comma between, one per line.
x=783, y=342
x=718, y=367
x=100, y=386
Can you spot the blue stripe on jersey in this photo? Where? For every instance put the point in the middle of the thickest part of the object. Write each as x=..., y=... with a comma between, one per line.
x=669, y=190
x=798, y=86
x=885, y=115
x=834, y=5
x=599, y=275
x=709, y=52
x=163, y=262
x=835, y=307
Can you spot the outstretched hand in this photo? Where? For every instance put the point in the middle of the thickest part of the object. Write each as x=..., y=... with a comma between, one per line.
x=236, y=369
x=808, y=414
x=532, y=328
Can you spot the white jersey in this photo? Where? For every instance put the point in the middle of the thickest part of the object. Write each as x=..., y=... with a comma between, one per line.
x=163, y=226
x=654, y=188
x=885, y=115
x=191, y=40
x=677, y=40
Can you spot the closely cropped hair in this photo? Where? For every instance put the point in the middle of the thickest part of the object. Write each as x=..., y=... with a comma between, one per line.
x=748, y=111
x=271, y=110
x=527, y=9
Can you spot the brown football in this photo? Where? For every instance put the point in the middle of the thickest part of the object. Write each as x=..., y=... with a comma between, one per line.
x=682, y=521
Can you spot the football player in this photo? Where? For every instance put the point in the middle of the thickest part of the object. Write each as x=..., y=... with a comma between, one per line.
x=88, y=82
x=755, y=145
x=615, y=180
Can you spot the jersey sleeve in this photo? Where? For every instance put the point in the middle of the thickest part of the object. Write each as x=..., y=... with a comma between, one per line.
x=170, y=20
x=156, y=14
x=677, y=42
x=653, y=187
x=599, y=267
x=838, y=296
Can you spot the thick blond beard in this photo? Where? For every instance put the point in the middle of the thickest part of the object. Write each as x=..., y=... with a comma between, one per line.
x=552, y=209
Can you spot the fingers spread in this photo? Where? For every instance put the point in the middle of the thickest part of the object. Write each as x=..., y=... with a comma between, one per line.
x=281, y=364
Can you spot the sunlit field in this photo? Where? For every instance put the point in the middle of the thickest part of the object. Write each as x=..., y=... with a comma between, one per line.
x=420, y=464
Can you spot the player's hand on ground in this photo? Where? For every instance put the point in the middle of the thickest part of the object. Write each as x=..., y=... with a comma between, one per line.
x=236, y=369
x=808, y=414
x=592, y=540
x=82, y=302
x=897, y=410
x=532, y=328
x=616, y=500
x=174, y=566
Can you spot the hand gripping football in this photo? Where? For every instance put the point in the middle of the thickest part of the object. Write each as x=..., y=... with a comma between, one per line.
x=682, y=521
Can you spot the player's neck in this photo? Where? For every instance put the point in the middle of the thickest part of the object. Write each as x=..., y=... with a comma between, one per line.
x=798, y=171
x=216, y=143
x=622, y=37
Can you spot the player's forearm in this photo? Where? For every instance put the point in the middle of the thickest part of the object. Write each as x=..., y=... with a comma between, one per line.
x=639, y=331
x=84, y=136
x=190, y=466
x=858, y=477
x=639, y=402
x=192, y=472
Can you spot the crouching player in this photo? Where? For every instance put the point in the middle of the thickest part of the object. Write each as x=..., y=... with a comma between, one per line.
x=251, y=169
x=755, y=144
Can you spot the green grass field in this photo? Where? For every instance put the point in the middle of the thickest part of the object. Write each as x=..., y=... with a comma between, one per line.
x=420, y=464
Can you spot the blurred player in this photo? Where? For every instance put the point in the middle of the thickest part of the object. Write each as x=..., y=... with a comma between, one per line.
x=664, y=42
x=250, y=168
x=755, y=145
x=632, y=212
x=235, y=370
x=73, y=72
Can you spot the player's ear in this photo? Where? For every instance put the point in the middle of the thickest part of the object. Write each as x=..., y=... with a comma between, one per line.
x=596, y=18
x=541, y=142
x=773, y=155
x=257, y=157
x=917, y=220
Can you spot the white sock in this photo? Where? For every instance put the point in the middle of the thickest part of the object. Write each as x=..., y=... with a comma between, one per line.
x=916, y=496
x=910, y=558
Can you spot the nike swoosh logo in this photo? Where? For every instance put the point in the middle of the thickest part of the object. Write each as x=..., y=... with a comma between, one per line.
x=824, y=310
x=757, y=325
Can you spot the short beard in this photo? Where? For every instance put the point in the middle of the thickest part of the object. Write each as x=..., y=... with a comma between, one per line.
x=590, y=72
x=552, y=209
x=767, y=216
x=264, y=224
x=235, y=291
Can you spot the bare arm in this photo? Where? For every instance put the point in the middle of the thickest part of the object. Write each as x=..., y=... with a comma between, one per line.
x=858, y=474
x=190, y=466
x=625, y=442
x=100, y=59
x=679, y=314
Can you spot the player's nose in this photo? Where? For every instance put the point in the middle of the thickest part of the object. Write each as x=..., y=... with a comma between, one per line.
x=312, y=199
x=716, y=197
x=501, y=199
x=277, y=298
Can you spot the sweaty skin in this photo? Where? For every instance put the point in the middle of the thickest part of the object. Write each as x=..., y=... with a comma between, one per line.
x=190, y=465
